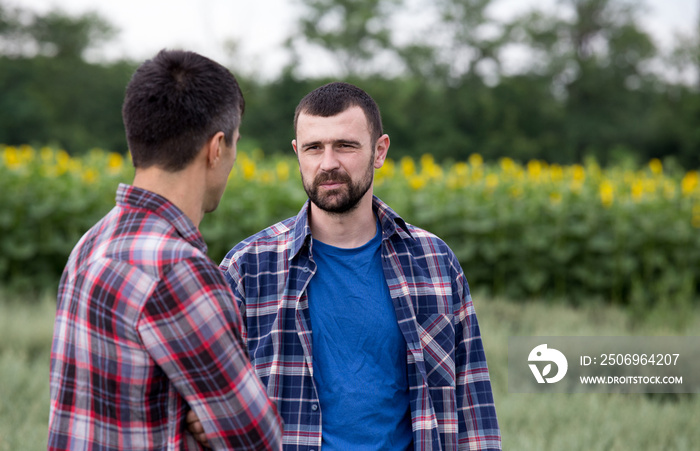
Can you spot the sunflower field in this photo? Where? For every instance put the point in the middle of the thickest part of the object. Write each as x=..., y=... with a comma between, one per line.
x=582, y=232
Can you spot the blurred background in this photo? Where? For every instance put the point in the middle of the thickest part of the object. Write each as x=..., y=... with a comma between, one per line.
x=553, y=144
x=556, y=80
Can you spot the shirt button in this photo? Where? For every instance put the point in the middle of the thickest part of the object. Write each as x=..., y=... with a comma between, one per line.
x=314, y=407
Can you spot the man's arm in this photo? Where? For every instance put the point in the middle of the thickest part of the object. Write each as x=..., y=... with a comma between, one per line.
x=478, y=425
x=194, y=426
x=191, y=330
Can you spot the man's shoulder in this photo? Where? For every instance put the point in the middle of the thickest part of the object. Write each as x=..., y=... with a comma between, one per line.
x=274, y=239
x=425, y=239
x=138, y=239
x=425, y=246
x=156, y=236
x=279, y=233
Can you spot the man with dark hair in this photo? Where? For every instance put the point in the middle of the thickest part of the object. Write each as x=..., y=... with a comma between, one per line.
x=360, y=325
x=146, y=327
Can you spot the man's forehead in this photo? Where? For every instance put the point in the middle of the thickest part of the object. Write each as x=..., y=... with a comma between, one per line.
x=352, y=119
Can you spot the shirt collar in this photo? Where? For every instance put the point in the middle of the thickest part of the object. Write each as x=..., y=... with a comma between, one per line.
x=301, y=231
x=391, y=223
x=131, y=196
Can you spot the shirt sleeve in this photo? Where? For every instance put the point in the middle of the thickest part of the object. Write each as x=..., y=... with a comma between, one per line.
x=191, y=330
x=478, y=425
x=231, y=273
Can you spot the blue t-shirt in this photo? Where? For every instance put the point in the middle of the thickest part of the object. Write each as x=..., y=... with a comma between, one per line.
x=359, y=353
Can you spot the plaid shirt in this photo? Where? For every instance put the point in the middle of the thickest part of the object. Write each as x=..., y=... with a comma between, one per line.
x=146, y=328
x=450, y=391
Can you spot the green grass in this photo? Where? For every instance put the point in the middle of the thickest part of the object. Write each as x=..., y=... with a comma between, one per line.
x=25, y=346
x=583, y=421
x=541, y=422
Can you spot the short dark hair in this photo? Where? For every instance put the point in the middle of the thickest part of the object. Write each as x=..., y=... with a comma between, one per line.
x=174, y=103
x=334, y=98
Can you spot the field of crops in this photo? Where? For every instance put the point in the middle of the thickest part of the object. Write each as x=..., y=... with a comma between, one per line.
x=581, y=232
x=529, y=422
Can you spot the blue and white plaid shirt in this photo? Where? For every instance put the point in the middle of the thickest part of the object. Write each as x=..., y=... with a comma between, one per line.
x=452, y=403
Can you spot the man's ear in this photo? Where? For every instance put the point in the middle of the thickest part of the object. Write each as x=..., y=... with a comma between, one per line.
x=294, y=146
x=214, y=149
x=380, y=150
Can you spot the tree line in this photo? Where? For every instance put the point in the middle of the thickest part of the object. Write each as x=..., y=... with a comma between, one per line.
x=590, y=81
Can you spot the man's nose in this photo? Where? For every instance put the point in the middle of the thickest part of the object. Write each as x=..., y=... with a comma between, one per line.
x=330, y=159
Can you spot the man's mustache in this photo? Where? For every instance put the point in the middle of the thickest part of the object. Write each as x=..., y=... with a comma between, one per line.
x=334, y=176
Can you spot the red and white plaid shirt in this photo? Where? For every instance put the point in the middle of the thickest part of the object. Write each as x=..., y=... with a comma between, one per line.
x=146, y=329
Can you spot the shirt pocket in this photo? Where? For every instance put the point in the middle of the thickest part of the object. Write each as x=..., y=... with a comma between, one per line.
x=437, y=337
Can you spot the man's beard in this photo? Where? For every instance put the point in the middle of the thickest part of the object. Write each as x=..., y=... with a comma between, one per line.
x=340, y=200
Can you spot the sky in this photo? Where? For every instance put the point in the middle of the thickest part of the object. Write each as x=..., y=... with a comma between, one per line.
x=259, y=28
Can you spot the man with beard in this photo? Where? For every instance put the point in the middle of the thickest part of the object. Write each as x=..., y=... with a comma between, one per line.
x=360, y=325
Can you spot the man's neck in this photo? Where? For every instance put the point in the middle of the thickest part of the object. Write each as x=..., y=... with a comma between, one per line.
x=346, y=230
x=179, y=188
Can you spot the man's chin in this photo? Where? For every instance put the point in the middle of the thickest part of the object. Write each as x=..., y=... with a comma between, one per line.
x=336, y=207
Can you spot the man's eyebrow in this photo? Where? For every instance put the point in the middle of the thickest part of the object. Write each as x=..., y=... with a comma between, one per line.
x=335, y=141
x=310, y=143
x=347, y=141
